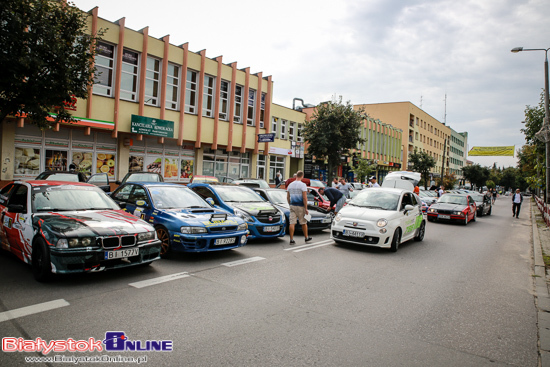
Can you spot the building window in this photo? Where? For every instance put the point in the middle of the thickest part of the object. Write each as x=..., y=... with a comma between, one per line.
x=104, y=63
x=300, y=137
x=129, y=75
x=152, y=79
x=172, y=87
x=274, y=126
x=283, y=129
x=238, y=104
x=224, y=100
x=291, y=129
x=262, y=111
x=191, y=92
x=260, y=167
x=250, y=120
x=276, y=163
x=208, y=96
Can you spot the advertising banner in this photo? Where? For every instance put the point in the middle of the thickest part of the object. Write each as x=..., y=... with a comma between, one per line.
x=492, y=151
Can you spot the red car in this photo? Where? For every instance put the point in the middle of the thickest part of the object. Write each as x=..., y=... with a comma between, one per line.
x=316, y=199
x=453, y=207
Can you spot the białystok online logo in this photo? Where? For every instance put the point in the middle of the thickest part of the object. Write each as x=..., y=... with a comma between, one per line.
x=115, y=341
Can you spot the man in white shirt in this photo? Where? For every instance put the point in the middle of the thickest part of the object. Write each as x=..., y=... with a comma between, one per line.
x=297, y=199
x=373, y=182
x=517, y=199
x=335, y=183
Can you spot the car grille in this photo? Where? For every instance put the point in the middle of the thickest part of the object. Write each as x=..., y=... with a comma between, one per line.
x=439, y=211
x=223, y=229
x=371, y=240
x=265, y=218
x=118, y=241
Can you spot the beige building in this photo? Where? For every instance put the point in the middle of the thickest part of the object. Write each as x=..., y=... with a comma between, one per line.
x=421, y=132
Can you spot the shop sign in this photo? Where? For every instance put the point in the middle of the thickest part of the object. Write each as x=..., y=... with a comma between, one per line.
x=106, y=148
x=154, y=151
x=150, y=126
x=280, y=151
x=61, y=144
x=266, y=138
x=137, y=150
x=82, y=146
x=37, y=141
x=171, y=153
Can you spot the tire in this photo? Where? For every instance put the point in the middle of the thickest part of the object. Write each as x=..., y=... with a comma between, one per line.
x=490, y=210
x=164, y=237
x=430, y=219
x=396, y=240
x=40, y=261
x=465, y=222
x=421, y=232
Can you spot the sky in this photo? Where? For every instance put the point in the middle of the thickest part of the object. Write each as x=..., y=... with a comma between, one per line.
x=450, y=58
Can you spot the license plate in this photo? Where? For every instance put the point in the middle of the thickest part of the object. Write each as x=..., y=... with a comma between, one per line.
x=225, y=241
x=349, y=233
x=440, y=216
x=272, y=229
x=118, y=254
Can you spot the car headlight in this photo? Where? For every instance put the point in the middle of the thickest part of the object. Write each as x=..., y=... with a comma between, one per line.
x=242, y=227
x=283, y=218
x=338, y=217
x=146, y=236
x=459, y=213
x=75, y=242
x=193, y=230
x=432, y=210
x=244, y=215
x=382, y=223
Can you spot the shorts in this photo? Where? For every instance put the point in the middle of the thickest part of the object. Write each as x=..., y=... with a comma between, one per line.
x=297, y=212
x=340, y=203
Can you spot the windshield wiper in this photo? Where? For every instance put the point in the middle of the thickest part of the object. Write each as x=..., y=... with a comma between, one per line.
x=372, y=207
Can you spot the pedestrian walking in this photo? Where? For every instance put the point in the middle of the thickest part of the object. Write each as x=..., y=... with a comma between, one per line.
x=441, y=191
x=296, y=196
x=335, y=196
x=345, y=188
x=278, y=179
x=517, y=199
x=494, y=195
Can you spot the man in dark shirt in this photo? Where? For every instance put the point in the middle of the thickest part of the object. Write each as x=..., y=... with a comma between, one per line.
x=335, y=196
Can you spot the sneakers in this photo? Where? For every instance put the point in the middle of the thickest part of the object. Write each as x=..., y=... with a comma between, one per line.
x=292, y=242
x=308, y=239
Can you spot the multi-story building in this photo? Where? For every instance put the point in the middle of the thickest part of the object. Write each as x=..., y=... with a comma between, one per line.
x=164, y=108
x=458, y=153
x=421, y=132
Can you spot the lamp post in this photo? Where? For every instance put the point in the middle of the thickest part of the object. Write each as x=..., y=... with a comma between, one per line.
x=544, y=133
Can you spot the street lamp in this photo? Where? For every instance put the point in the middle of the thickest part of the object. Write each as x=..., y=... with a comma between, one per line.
x=544, y=133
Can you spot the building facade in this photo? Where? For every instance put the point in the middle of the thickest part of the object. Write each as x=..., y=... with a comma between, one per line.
x=162, y=108
x=458, y=153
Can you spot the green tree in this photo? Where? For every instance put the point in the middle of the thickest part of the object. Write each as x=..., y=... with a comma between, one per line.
x=334, y=129
x=491, y=184
x=422, y=163
x=364, y=168
x=476, y=174
x=449, y=180
x=46, y=57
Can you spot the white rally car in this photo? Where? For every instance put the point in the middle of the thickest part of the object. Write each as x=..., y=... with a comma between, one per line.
x=383, y=217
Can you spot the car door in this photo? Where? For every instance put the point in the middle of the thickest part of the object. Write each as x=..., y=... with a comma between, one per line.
x=16, y=222
x=473, y=208
x=101, y=180
x=407, y=217
x=136, y=200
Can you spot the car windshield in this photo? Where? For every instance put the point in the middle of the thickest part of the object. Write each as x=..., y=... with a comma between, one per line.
x=69, y=197
x=376, y=199
x=143, y=177
x=59, y=177
x=477, y=197
x=453, y=199
x=240, y=194
x=176, y=197
x=316, y=183
x=278, y=196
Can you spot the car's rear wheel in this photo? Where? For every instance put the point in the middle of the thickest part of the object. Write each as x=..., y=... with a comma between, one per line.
x=396, y=240
x=421, y=231
x=164, y=237
x=40, y=261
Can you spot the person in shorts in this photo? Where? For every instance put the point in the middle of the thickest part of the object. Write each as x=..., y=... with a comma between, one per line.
x=296, y=196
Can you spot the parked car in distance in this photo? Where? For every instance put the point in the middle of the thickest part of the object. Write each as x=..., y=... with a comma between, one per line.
x=183, y=220
x=278, y=197
x=204, y=179
x=100, y=180
x=483, y=204
x=453, y=207
x=61, y=227
x=263, y=218
x=141, y=177
x=252, y=182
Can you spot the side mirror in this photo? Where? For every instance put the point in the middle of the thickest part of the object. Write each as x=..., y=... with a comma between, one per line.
x=210, y=201
x=408, y=208
x=122, y=205
x=16, y=208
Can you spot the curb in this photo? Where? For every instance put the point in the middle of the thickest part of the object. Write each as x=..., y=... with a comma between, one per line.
x=542, y=296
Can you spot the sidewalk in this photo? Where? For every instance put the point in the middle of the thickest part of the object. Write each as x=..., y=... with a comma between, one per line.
x=541, y=245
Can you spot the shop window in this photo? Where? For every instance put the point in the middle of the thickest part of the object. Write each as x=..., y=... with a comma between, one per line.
x=208, y=96
x=224, y=100
x=276, y=163
x=26, y=162
x=250, y=120
x=129, y=75
x=260, y=166
x=104, y=64
x=191, y=92
x=238, y=104
x=152, y=82
x=172, y=87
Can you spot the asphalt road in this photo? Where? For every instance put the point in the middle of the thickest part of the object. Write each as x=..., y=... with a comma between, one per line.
x=462, y=297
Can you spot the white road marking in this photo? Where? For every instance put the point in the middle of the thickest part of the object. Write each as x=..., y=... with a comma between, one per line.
x=244, y=261
x=29, y=310
x=293, y=248
x=312, y=246
x=155, y=281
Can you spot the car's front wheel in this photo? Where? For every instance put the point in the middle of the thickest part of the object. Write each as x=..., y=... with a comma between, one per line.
x=421, y=231
x=41, y=265
x=164, y=237
x=396, y=240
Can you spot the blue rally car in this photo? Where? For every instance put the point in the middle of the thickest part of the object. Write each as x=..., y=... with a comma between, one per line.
x=182, y=219
x=264, y=220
